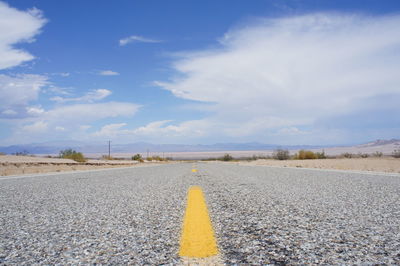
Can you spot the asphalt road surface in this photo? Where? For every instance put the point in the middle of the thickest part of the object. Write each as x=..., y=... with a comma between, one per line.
x=260, y=215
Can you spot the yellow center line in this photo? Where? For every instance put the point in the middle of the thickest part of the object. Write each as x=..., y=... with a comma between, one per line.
x=197, y=239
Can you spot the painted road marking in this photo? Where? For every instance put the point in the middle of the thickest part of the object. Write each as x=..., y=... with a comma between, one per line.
x=197, y=239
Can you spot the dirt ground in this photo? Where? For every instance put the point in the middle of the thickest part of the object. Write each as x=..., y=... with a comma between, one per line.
x=387, y=164
x=18, y=165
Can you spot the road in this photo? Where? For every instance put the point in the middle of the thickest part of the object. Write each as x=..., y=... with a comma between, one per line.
x=260, y=215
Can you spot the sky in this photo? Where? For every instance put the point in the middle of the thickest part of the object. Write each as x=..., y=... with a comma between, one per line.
x=199, y=72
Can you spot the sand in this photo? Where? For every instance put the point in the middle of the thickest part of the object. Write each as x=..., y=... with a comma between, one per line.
x=19, y=165
x=386, y=164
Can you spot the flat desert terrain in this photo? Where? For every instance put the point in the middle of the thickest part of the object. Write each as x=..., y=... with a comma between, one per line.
x=18, y=165
x=386, y=164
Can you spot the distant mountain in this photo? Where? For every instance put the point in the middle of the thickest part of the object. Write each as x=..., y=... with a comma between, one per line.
x=140, y=147
x=380, y=142
x=54, y=147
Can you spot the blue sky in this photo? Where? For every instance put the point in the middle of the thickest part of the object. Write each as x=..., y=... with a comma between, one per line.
x=284, y=72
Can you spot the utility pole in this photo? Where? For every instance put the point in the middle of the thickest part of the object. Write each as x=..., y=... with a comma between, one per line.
x=109, y=149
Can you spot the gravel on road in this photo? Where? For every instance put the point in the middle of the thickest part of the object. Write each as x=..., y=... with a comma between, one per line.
x=261, y=215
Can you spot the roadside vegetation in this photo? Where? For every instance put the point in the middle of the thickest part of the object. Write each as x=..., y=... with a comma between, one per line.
x=281, y=154
x=396, y=154
x=73, y=155
x=137, y=157
x=156, y=158
x=307, y=155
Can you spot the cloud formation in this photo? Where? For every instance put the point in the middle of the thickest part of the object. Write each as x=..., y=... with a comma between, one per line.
x=136, y=38
x=15, y=27
x=17, y=92
x=290, y=72
x=108, y=73
x=91, y=96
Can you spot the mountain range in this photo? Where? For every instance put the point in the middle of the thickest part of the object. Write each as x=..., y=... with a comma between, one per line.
x=141, y=147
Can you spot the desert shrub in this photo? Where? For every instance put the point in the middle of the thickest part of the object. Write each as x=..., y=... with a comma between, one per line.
x=2, y=153
x=21, y=153
x=227, y=157
x=73, y=155
x=396, y=154
x=377, y=154
x=364, y=155
x=157, y=158
x=280, y=154
x=305, y=155
x=137, y=157
x=320, y=155
x=106, y=157
x=347, y=155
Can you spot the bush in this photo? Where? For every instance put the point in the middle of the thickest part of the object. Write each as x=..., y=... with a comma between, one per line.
x=158, y=158
x=2, y=153
x=73, y=155
x=281, y=154
x=149, y=159
x=106, y=157
x=377, y=154
x=22, y=153
x=227, y=157
x=137, y=157
x=347, y=155
x=320, y=155
x=364, y=155
x=396, y=154
x=305, y=155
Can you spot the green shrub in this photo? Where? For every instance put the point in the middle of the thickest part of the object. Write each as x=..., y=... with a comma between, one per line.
x=280, y=154
x=396, y=154
x=227, y=157
x=22, y=153
x=347, y=155
x=305, y=155
x=73, y=155
x=158, y=158
x=149, y=159
x=137, y=157
x=320, y=155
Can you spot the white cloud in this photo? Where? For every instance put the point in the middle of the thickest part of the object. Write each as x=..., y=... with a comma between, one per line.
x=91, y=96
x=81, y=113
x=290, y=72
x=108, y=73
x=37, y=127
x=111, y=130
x=291, y=131
x=15, y=27
x=136, y=38
x=9, y=112
x=18, y=91
x=34, y=110
x=70, y=120
x=157, y=130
